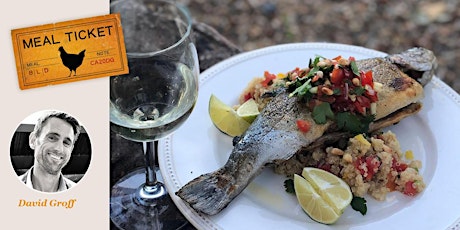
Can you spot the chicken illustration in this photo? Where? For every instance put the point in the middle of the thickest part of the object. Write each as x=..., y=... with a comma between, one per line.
x=71, y=61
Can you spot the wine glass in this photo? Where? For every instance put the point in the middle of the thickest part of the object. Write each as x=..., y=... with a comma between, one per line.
x=150, y=102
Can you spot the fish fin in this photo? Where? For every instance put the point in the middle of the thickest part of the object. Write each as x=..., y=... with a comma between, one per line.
x=208, y=193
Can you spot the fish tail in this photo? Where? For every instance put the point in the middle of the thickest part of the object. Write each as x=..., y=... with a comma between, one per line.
x=209, y=193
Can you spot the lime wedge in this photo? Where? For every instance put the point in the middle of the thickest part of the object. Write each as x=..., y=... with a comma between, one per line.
x=312, y=203
x=225, y=118
x=248, y=110
x=331, y=188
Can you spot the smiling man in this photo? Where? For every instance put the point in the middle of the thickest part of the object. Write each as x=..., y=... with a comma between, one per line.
x=52, y=140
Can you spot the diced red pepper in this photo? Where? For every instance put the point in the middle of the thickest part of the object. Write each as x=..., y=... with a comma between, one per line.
x=409, y=188
x=304, y=126
x=367, y=79
x=337, y=58
x=398, y=166
x=371, y=165
x=337, y=75
x=268, y=77
x=359, y=107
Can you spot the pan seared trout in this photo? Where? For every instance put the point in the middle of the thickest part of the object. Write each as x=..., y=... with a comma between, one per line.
x=275, y=136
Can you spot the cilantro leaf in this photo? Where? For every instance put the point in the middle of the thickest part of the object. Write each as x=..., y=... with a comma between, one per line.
x=289, y=186
x=315, y=61
x=354, y=68
x=359, y=204
x=321, y=112
x=353, y=123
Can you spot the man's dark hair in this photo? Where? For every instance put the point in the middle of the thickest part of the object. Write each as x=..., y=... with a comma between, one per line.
x=61, y=115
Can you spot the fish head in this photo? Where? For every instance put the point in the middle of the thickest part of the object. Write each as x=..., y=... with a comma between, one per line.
x=418, y=63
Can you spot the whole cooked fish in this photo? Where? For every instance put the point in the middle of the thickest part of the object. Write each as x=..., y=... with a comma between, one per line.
x=274, y=137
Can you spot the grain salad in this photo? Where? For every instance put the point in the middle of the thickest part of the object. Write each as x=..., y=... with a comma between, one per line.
x=371, y=165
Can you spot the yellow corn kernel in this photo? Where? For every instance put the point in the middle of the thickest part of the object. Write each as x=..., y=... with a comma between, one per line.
x=409, y=155
x=363, y=140
x=281, y=75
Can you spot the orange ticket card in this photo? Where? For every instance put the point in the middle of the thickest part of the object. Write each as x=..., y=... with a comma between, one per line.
x=69, y=51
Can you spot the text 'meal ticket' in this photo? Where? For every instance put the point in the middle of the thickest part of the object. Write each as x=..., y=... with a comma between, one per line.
x=69, y=51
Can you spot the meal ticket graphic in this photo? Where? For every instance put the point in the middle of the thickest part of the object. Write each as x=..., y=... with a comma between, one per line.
x=69, y=51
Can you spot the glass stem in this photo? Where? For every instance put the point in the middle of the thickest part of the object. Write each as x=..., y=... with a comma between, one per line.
x=150, y=151
x=152, y=190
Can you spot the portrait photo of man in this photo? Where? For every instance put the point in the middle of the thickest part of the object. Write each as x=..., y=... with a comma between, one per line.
x=52, y=142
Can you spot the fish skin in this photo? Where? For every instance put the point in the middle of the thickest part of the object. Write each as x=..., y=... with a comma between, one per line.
x=397, y=89
x=420, y=63
x=273, y=137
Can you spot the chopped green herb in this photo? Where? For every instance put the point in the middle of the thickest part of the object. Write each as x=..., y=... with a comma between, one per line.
x=321, y=112
x=313, y=71
x=358, y=91
x=302, y=90
x=351, y=114
x=359, y=204
x=289, y=186
x=353, y=123
x=354, y=68
x=317, y=59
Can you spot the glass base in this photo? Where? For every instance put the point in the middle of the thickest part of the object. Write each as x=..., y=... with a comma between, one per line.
x=127, y=213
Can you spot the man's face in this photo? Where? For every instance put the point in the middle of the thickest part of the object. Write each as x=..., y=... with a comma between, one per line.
x=54, y=145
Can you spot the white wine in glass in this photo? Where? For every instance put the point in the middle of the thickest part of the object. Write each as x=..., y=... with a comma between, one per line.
x=150, y=102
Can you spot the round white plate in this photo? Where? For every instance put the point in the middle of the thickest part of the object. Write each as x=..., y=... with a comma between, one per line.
x=198, y=147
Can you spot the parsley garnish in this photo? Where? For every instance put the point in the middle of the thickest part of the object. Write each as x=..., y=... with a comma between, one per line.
x=340, y=105
x=289, y=186
x=316, y=60
x=354, y=68
x=359, y=204
x=353, y=123
x=321, y=112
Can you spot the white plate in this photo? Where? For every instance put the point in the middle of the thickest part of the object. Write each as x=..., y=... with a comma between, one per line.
x=198, y=147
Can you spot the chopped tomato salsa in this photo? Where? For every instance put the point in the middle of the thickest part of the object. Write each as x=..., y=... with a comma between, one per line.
x=409, y=189
x=339, y=83
x=304, y=126
x=268, y=78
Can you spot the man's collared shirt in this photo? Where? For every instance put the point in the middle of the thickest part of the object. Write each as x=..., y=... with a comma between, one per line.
x=64, y=183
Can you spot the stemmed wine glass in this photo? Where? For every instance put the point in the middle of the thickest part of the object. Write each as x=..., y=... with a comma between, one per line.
x=150, y=102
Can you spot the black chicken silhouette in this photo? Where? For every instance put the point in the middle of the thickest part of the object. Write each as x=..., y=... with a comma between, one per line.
x=71, y=61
